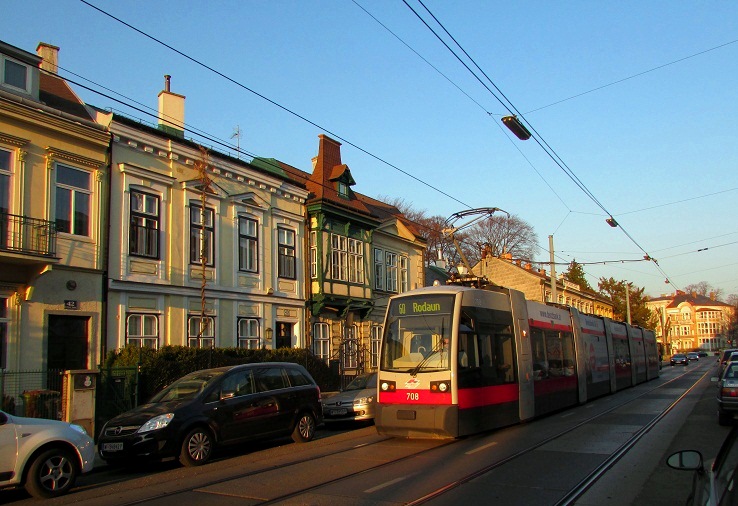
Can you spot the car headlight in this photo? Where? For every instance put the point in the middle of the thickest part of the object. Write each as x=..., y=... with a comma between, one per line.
x=157, y=423
x=363, y=400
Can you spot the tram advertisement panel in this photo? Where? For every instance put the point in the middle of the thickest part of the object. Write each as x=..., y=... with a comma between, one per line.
x=595, y=348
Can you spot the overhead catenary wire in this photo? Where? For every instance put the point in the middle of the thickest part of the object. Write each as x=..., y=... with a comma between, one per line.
x=509, y=106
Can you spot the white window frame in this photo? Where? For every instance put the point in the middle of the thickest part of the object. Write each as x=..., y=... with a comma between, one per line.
x=347, y=259
x=205, y=231
x=375, y=344
x=249, y=253
x=3, y=60
x=141, y=338
x=207, y=339
x=322, y=341
x=249, y=333
x=313, y=254
x=74, y=192
x=144, y=242
x=287, y=252
x=351, y=360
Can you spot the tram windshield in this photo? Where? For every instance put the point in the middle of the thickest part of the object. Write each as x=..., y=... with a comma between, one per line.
x=417, y=335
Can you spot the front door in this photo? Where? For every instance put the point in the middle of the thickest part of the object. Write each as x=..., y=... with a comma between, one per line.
x=68, y=342
x=284, y=335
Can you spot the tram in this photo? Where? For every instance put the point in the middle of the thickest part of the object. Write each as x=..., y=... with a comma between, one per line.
x=457, y=360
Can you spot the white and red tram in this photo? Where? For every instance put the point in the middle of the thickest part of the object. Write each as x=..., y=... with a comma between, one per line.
x=456, y=360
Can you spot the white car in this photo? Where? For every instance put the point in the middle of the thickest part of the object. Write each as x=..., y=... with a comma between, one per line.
x=44, y=456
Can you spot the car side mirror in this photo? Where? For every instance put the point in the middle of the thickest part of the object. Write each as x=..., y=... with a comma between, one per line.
x=227, y=394
x=714, y=379
x=685, y=460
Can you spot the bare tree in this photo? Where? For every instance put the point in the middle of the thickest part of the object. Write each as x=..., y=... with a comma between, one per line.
x=704, y=288
x=500, y=234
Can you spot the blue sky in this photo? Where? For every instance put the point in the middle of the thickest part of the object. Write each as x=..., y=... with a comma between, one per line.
x=657, y=148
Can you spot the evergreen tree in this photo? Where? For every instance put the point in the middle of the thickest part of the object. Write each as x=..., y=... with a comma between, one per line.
x=576, y=274
x=615, y=291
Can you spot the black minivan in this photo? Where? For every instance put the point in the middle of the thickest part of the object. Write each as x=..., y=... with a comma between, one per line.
x=216, y=406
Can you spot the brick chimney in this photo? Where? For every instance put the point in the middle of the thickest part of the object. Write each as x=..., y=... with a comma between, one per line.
x=171, y=110
x=50, y=54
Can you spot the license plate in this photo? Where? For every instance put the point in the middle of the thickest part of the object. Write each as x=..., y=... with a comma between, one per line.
x=112, y=447
x=342, y=411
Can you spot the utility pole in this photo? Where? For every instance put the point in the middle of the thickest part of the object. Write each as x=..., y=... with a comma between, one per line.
x=627, y=302
x=554, y=293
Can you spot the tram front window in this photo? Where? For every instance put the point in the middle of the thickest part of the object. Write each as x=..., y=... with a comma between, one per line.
x=417, y=343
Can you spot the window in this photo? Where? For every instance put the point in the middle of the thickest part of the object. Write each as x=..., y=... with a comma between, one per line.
x=202, y=235
x=376, y=341
x=3, y=332
x=313, y=255
x=347, y=259
x=404, y=274
x=248, y=245
x=15, y=74
x=351, y=347
x=144, y=233
x=322, y=341
x=248, y=333
x=286, y=240
x=4, y=197
x=390, y=261
x=378, y=269
x=142, y=330
x=343, y=189
x=73, y=194
x=200, y=332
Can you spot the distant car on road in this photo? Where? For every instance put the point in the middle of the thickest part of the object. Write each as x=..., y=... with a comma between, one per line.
x=44, y=456
x=702, y=354
x=693, y=355
x=356, y=402
x=679, y=358
x=714, y=481
x=216, y=406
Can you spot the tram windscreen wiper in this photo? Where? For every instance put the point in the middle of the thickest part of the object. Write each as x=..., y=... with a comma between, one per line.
x=437, y=348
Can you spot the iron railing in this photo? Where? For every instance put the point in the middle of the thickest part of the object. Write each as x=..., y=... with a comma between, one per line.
x=22, y=234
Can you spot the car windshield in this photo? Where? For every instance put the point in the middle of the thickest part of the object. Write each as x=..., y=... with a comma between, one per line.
x=187, y=387
x=363, y=381
x=679, y=356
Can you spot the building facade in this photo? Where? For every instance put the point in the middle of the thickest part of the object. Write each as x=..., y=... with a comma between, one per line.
x=53, y=218
x=361, y=252
x=536, y=285
x=206, y=250
x=689, y=321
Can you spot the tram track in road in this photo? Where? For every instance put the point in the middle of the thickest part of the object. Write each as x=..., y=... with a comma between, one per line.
x=583, y=485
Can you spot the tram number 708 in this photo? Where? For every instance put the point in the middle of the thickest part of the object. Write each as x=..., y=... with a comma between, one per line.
x=413, y=396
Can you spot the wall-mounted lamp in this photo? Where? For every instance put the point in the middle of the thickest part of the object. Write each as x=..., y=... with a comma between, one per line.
x=268, y=334
x=516, y=127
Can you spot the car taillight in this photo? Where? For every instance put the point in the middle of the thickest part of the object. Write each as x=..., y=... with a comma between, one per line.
x=729, y=392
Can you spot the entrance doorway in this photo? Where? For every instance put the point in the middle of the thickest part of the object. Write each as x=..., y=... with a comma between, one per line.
x=68, y=342
x=284, y=335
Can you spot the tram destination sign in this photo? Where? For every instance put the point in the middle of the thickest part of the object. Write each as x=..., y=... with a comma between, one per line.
x=422, y=305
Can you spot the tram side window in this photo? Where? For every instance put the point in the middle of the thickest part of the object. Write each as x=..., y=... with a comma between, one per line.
x=553, y=353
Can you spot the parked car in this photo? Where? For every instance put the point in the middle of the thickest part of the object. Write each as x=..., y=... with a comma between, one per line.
x=693, y=355
x=44, y=456
x=679, y=358
x=713, y=482
x=213, y=407
x=727, y=397
x=702, y=354
x=356, y=402
x=724, y=359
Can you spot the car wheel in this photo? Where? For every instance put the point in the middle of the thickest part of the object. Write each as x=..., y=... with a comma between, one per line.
x=725, y=418
x=197, y=447
x=304, y=428
x=52, y=473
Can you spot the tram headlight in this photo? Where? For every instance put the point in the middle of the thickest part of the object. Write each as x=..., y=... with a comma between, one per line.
x=439, y=387
x=388, y=386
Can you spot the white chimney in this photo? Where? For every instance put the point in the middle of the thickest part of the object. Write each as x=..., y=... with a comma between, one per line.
x=171, y=110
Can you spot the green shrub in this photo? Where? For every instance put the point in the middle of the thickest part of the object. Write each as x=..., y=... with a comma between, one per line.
x=158, y=368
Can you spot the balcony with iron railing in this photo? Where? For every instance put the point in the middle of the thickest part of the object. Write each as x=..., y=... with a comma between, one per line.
x=23, y=236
